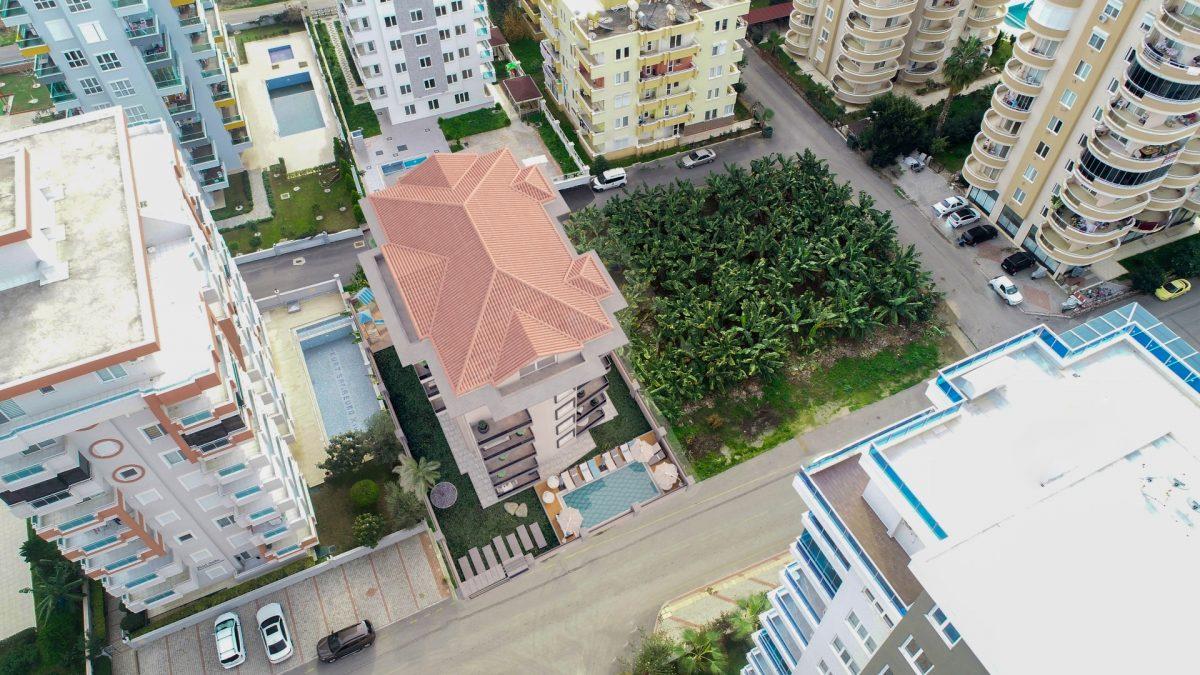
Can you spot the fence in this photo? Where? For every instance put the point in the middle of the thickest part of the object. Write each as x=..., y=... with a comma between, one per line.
x=661, y=429
x=291, y=246
x=571, y=180
x=299, y=294
x=557, y=126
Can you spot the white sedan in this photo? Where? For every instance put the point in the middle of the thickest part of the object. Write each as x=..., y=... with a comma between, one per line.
x=696, y=158
x=274, y=632
x=227, y=632
x=963, y=217
x=1006, y=289
x=949, y=205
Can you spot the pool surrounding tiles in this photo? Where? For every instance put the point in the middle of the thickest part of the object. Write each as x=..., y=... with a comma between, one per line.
x=612, y=494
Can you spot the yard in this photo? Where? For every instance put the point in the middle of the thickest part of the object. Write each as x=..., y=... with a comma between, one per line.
x=25, y=97
x=552, y=142
x=297, y=204
x=237, y=194
x=629, y=423
x=465, y=525
x=334, y=509
x=359, y=116
x=262, y=33
x=475, y=122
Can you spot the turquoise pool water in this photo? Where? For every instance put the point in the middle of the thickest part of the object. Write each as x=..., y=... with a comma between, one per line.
x=339, y=378
x=612, y=494
x=1017, y=12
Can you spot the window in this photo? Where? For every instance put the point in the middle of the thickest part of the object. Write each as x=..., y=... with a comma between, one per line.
x=1030, y=173
x=1113, y=8
x=122, y=88
x=1097, y=40
x=824, y=36
x=447, y=57
x=108, y=61
x=1068, y=98
x=410, y=109
x=839, y=648
x=1097, y=113
x=91, y=85
x=401, y=67
x=864, y=636
x=115, y=371
x=185, y=537
x=224, y=521
x=622, y=100
x=434, y=105
x=718, y=48
x=46, y=389
x=415, y=15
x=823, y=668
x=915, y=656
x=439, y=10
x=462, y=97
x=136, y=113
x=51, y=499
x=947, y=630
x=1055, y=125
x=92, y=32
x=715, y=71
x=723, y=24
x=166, y=518
x=621, y=77
x=443, y=33
x=426, y=62
x=153, y=432
x=621, y=122
x=1019, y=196
x=815, y=558
x=148, y=497
x=75, y=58
x=395, y=46
x=78, y=5
x=129, y=473
x=1042, y=150
x=710, y=114
x=173, y=457
x=713, y=93
x=456, y=6
x=389, y=21
x=421, y=39
x=451, y=78
x=45, y=4
x=1082, y=70
x=828, y=13
x=622, y=53
x=429, y=83
x=887, y=620
x=1147, y=21
x=468, y=74
x=460, y=29
x=464, y=52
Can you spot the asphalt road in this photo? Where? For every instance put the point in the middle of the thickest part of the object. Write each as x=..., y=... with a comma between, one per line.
x=1181, y=315
x=265, y=277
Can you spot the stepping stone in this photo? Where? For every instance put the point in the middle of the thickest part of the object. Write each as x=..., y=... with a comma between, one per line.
x=522, y=510
x=510, y=508
x=512, y=544
x=490, y=555
x=476, y=560
x=536, y=531
x=524, y=537
x=465, y=566
x=500, y=548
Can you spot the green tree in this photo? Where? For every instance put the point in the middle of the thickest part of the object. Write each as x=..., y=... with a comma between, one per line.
x=403, y=507
x=418, y=475
x=745, y=620
x=382, y=441
x=368, y=529
x=962, y=66
x=1147, y=277
x=344, y=454
x=364, y=494
x=655, y=655
x=896, y=127
x=700, y=651
x=54, y=587
x=38, y=551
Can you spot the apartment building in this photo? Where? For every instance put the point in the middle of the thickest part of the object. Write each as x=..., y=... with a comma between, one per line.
x=863, y=46
x=509, y=330
x=635, y=78
x=141, y=426
x=422, y=60
x=1088, y=154
x=159, y=59
x=1017, y=525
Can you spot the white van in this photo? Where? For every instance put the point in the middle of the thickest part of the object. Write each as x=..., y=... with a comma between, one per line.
x=613, y=178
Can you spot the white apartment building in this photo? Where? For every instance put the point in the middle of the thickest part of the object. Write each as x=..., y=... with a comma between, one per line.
x=1039, y=518
x=420, y=59
x=141, y=426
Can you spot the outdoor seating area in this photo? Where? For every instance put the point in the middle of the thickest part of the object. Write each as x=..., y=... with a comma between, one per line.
x=486, y=566
x=370, y=320
x=607, y=486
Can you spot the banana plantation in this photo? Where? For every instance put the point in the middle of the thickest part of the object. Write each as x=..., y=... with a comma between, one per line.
x=734, y=278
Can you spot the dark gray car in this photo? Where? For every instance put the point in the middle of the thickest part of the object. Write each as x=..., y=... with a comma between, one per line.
x=346, y=641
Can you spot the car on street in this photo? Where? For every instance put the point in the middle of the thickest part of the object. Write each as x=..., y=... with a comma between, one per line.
x=1021, y=260
x=1006, y=289
x=696, y=158
x=609, y=180
x=950, y=205
x=346, y=641
x=231, y=648
x=977, y=235
x=963, y=217
x=1173, y=289
x=274, y=632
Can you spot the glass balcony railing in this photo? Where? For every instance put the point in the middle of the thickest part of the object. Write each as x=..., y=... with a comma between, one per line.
x=60, y=92
x=44, y=66
x=166, y=78
x=28, y=37
x=157, y=54
x=11, y=9
x=141, y=28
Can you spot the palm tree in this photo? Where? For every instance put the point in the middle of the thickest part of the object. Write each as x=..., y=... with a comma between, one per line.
x=700, y=652
x=963, y=66
x=745, y=620
x=418, y=474
x=54, y=588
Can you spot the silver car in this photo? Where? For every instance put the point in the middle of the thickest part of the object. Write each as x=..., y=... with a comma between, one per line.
x=950, y=205
x=274, y=632
x=231, y=648
x=696, y=158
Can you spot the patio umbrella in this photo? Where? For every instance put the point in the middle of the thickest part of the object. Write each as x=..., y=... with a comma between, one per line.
x=666, y=475
x=643, y=451
x=570, y=520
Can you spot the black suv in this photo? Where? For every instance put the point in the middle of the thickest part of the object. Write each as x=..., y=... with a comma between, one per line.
x=1021, y=260
x=977, y=235
x=346, y=642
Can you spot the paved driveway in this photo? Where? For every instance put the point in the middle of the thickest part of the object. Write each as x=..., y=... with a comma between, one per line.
x=386, y=586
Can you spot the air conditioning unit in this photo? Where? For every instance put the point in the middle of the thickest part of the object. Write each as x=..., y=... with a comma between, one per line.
x=1102, y=18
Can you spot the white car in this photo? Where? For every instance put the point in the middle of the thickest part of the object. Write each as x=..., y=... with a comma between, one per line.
x=231, y=648
x=950, y=205
x=613, y=178
x=696, y=158
x=274, y=632
x=1006, y=289
x=963, y=217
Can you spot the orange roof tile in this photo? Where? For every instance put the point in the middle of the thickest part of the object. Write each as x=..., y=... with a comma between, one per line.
x=482, y=268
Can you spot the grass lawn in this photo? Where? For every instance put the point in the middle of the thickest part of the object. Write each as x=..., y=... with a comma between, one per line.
x=359, y=116
x=1002, y=51
x=729, y=431
x=20, y=87
x=629, y=422
x=552, y=142
x=953, y=158
x=262, y=33
x=527, y=51
x=242, y=4
x=474, y=122
x=466, y=525
x=8, y=36
x=237, y=194
x=335, y=513
x=295, y=217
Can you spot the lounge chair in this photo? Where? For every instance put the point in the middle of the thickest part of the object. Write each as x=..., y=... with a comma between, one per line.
x=591, y=464
x=566, y=480
x=608, y=460
x=586, y=473
x=538, y=538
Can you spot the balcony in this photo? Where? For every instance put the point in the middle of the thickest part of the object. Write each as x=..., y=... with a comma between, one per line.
x=98, y=539
x=1084, y=231
x=202, y=45
x=980, y=19
x=1182, y=176
x=190, y=19
x=1169, y=62
x=212, y=69
x=918, y=73
x=934, y=30
x=1000, y=129
x=1099, y=207
x=221, y=92
x=847, y=91
x=797, y=43
x=1179, y=26
x=486, y=431
x=168, y=80
x=142, y=28
x=866, y=30
x=884, y=9
x=129, y=7
x=861, y=73
x=989, y=152
x=179, y=104
x=76, y=516
x=927, y=52
x=241, y=138
x=1027, y=50
x=941, y=9
x=158, y=54
x=60, y=92
x=1167, y=198
x=13, y=13
x=980, y=176
x=30, y=43
x=1023, y=79
x=1066, y=252
x=1141, y=125
x=586, y=423
x=44, y=67
x=869, y=52
x=118, y=559
x=1010, y=104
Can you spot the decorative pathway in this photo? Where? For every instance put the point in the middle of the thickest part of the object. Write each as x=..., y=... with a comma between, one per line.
x=357, y=93
x=702, y=605
x=261, y=210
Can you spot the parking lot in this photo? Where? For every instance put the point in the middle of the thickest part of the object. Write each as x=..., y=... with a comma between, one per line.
x=384, y=587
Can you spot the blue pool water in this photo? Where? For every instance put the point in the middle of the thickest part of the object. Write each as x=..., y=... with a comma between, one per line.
x=339, y=378
x=294, y=103
x=612, y=494
x=1017, y=11
x=277, y=54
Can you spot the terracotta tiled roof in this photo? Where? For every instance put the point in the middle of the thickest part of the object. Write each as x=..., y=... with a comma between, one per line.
x=769, y=13
x=482, y=269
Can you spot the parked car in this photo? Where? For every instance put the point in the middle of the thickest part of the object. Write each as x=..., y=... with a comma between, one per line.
x=346, y=641
x=611, y=179
x=914, y=164
x=1006, y=289
x=963, y=217
x=231, y=648
x=696, y=158
x=274, y=632
x=950, y=205
x=1173, y=289
x=977, y=235
x=1018, y=261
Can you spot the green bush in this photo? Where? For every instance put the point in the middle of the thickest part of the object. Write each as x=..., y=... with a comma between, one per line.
x=1184, y=260
x=102, y=666
x=1146, y=278
x=132, y=622
x=368, y=530
x=364, y=494
x=474, y=122
x=96, y=603
x=19, y=653
x=403, y=507
x=58, y=638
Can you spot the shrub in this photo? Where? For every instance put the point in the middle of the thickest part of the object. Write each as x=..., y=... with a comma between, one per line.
x=897, y=127
x=345, y=453
x=654, y=656
x=58, y=638
x=368, y=530
x=134, y=621
x=364, y=494
x=36, y=550
x=19, y=657
x=1184, y=260
x=1146, y=278
x=403, y=507
x=381, y=437
x=96, y=602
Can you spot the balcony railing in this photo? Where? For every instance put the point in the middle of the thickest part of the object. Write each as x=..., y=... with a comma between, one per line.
x=28, y=37
x=44, y=66
x=142, y=28
x=11, y=9
x=59, y=92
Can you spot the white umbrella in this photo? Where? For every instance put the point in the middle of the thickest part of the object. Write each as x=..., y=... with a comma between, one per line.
x=570, y=520
x=643, y=451
x=665, y=475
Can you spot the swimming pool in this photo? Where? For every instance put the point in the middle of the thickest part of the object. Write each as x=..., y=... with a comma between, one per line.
x=339, y=378
x=277, y=54
x=1017, y=11
x=294, y=103
x=612, y=494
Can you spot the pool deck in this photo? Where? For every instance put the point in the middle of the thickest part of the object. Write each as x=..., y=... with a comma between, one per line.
x=309, y=446
x=299, y=151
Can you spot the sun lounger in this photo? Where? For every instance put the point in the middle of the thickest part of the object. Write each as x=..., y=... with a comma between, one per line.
x=585, y=472
x=524, y=537
x=513, y=544
x=566, y=480
x=618, y=459
x=536, y=531
x=608, y=460
x=465, y=566
x=476, y=560
x=490, y=556
x=500, y=548
x=591, y=463
x=626, y=454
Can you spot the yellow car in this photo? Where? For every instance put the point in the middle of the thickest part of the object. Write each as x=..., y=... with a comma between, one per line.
x=1173, y=289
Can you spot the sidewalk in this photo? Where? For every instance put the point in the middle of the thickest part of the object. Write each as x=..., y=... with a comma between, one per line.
x=357, y=93
x=261, y=210
x=702, y=605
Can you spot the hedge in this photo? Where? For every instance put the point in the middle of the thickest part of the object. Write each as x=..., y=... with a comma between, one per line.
x=99, y=620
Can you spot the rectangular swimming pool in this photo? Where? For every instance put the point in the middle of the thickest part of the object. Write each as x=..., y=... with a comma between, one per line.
x=295, y=104
x=277, y=54
x=339, y=378
x=612, y=494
